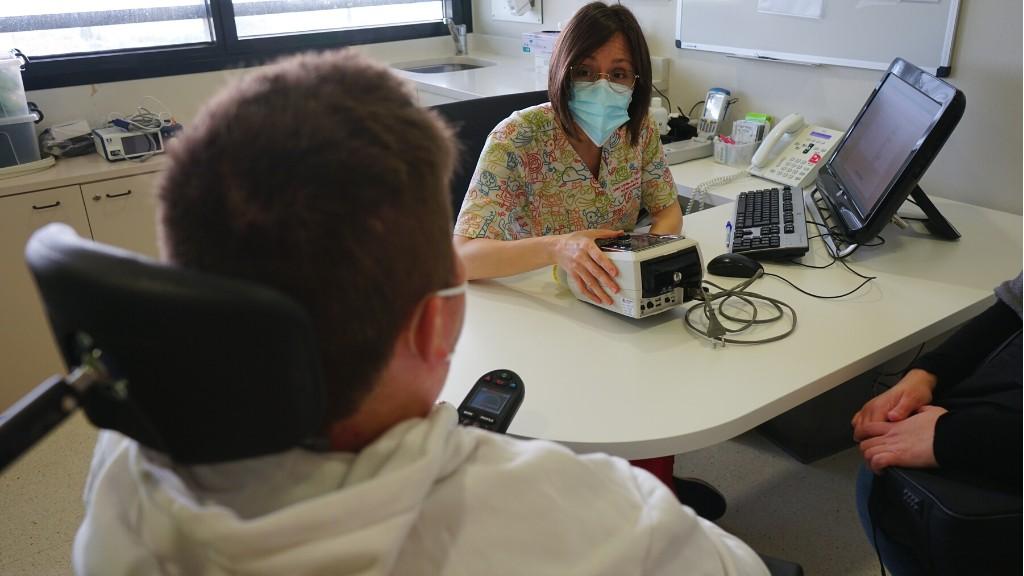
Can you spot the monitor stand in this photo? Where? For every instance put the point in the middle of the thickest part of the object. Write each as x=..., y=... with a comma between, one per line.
x=934, y=221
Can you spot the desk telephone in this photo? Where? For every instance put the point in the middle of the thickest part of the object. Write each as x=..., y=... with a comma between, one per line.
x=793, y=151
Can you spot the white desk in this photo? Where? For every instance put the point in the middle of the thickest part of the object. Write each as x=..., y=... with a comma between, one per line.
x=688, y=175
x=596, y=381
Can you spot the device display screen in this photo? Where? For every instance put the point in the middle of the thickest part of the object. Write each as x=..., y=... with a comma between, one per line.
x=713, y=105
x=882, y=141
x=489, y=400
x=139, y=144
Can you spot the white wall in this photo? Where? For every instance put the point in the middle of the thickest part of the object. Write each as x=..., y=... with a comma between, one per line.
x=980, y=164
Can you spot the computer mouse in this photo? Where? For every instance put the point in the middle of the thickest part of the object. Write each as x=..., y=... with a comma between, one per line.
x=734, y=266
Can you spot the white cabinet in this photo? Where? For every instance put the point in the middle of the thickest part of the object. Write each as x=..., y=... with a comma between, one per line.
x=119, y=211
x=122, y=212
x=27, y=352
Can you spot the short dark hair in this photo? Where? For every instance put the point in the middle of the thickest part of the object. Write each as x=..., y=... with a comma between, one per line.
x=589, y=29
x=321, y=177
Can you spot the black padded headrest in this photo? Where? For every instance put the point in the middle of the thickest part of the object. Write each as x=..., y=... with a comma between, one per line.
x=213, y=369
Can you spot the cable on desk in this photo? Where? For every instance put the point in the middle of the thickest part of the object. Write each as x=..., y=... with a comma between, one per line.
x=716, y=331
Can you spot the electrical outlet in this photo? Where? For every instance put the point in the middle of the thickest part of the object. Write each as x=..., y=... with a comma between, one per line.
x=500, y=11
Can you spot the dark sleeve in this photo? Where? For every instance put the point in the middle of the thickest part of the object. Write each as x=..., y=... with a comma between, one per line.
x=961, y=354
x=983, y=440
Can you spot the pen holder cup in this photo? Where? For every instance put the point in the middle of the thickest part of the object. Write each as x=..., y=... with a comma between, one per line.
x=734, y=154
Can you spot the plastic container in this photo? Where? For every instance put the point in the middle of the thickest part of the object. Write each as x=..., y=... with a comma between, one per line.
x=734, y=154
x=660, y=116
x=18, y=140
x=541, y=45
x=13, y=103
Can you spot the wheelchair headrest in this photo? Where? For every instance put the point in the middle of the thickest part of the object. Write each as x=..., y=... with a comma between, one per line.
x=208, y=369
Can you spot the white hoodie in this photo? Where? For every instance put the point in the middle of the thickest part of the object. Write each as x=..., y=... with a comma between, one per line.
x=427, y=497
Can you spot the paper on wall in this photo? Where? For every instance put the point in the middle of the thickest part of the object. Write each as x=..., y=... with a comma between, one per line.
x=800, y=8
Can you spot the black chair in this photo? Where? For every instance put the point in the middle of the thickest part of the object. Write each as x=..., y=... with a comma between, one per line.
x=202, y=368
x=473, y=120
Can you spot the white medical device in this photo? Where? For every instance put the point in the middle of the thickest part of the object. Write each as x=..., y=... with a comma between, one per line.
x=114, y=143
x=716, y=108
x=656, y=273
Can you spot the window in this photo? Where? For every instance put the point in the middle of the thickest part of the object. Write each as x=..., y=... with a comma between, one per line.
x=72, y=42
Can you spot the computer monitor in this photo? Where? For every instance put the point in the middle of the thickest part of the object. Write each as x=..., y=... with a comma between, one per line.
x=878, y=163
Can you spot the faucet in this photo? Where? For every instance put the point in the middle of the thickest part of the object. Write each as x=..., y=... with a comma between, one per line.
x=458, y=32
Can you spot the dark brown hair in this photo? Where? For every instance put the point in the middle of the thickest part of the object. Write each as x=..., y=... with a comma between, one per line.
x=589, y=29
x=319, y=176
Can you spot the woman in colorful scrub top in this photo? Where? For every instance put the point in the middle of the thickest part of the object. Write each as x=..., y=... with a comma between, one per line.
x=554, y=178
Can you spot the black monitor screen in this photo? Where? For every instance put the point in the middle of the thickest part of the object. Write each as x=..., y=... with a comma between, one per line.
x=883, y=140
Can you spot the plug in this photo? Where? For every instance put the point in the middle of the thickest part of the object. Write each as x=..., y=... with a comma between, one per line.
x=716, y=331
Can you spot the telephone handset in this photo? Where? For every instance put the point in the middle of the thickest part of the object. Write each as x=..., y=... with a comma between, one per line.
x=793, y=152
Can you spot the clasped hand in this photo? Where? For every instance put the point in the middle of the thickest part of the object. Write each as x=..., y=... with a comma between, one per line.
x=897, y=427
x=586, y=265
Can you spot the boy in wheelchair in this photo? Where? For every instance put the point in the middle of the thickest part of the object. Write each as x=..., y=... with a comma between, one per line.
x=320, y=178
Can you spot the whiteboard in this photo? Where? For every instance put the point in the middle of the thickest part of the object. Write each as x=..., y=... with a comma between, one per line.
x=856, y=33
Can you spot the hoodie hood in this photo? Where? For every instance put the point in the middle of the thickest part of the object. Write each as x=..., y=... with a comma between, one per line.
x=274, y=514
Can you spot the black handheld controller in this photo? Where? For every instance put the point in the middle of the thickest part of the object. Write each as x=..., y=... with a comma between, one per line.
x=493, y=401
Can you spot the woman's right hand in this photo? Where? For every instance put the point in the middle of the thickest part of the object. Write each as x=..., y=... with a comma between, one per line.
x=912, y=392
x=586, y=265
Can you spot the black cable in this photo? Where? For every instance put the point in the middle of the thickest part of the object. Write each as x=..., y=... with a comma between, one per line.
x=662, y=94
x=801, y=290
x=692, y=107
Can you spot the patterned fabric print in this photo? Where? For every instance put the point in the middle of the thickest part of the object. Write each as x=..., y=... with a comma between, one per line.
x=530, y=181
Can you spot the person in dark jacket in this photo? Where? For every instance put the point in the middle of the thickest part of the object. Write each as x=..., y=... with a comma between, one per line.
x=958, y=409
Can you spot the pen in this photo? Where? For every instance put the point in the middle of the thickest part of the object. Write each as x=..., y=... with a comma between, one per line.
x=728, y=233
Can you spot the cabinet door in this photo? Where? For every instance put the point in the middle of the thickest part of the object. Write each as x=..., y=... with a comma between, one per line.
x=27, y=351
x=122, y=212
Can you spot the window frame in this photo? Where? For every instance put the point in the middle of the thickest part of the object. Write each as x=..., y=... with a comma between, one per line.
x=225, y=52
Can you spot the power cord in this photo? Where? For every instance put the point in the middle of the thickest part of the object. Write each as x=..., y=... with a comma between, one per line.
x=716, y=331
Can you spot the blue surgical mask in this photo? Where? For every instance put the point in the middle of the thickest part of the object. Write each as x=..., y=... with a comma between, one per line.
x=599, y=109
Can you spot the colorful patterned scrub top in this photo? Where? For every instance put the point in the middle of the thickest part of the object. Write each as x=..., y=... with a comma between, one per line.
x=531, y=182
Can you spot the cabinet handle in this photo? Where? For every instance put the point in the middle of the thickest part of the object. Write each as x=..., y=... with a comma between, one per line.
x=128, y=193
x=45, y=206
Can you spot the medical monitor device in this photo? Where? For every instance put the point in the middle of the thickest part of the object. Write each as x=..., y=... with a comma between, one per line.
x=892, y=142
x=656, y=273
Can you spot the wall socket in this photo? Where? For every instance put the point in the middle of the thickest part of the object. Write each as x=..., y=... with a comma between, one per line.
x=501, y=11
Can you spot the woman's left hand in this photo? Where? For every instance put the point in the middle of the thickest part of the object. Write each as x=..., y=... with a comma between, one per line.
x=907, y=443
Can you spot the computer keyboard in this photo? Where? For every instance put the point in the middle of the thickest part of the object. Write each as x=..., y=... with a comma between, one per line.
x=770, y=224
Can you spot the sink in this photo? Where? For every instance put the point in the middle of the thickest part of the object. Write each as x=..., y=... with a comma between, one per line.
x=442, y=65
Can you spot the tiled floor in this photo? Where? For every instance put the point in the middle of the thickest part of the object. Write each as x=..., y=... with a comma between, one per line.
x=41, y=501
x=799, y=512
